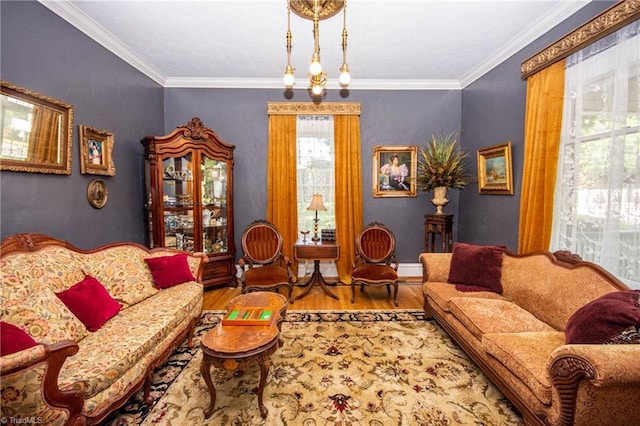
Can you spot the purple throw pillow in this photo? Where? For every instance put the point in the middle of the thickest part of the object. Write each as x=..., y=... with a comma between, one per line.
x=476, y=268
x=604, y=318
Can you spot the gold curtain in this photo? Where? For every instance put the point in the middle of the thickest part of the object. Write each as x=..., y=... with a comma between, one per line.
x=44, y=139
x=543, y=121
x=281, y=175
x=348, y=190
x=282, y=208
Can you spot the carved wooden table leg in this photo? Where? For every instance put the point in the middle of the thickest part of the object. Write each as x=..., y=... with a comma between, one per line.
x=264, y=371
x=205, y=371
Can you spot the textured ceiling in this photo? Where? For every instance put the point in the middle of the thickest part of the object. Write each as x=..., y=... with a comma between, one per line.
x=392, y=44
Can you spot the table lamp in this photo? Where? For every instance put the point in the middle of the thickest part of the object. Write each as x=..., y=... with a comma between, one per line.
x=316, y=204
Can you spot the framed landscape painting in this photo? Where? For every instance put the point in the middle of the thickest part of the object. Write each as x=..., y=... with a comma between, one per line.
x=495, y=175
x=394, y=171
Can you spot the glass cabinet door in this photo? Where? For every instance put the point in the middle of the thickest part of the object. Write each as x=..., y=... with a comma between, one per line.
x=178, y=202
x=214, y=205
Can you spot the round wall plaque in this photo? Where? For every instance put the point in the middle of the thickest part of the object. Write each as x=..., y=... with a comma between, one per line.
x=97, y=193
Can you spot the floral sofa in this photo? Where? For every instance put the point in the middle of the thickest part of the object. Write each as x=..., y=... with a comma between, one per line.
x=95, y=324
x=543, y=328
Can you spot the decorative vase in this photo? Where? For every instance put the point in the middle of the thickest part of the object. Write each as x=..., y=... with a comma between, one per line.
x=439, y=198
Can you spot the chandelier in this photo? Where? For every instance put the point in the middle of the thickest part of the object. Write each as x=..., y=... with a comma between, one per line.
x=317, y=10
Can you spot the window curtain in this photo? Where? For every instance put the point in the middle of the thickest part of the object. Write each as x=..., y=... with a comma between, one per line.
x=44, y=137
x=281, y=180
x=349, y=217
x=597, y=214
x=281, y=175
x=543, y=121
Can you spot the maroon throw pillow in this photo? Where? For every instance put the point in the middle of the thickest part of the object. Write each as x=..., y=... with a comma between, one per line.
x=14, y=339
x=476, y=268
x=168, y=271
x=90, y=302
x=604, y=318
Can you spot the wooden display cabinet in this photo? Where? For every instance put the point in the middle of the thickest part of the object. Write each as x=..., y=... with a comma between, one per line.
x=189, y=189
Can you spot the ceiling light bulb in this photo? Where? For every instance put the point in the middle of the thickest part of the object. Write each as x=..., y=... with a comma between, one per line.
x=345, y=77
x=316, y=89
x=316, y=67
x=288, y=78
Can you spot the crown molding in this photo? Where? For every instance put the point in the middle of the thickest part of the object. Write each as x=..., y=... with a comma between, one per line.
x=276, y=83
x=559, y=13
x=67, y=11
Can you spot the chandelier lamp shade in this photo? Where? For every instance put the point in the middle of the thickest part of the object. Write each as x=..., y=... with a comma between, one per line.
x=316, y=10
x=316, y=205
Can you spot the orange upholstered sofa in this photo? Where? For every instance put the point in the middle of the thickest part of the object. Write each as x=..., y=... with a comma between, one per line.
x=518, y=338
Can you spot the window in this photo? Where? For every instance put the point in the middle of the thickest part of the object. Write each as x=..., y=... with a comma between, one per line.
x=597, y=196
x=315, y=169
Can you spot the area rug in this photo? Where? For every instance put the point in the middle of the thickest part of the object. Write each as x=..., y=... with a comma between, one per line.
x=335, y=368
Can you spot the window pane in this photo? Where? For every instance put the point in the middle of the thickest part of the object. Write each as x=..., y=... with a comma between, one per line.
x=315, y=169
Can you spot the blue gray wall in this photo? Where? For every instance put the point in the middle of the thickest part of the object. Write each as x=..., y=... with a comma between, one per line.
x=388, y=118
x=42, y=52
x=493, y=110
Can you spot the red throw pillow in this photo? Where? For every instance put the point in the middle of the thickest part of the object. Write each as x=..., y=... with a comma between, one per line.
x=168, y=271
x=476, y=268
x=604, y=318
x=90, y=302
x=14, y=339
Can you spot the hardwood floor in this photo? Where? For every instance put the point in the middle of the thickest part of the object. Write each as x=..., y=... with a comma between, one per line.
x=409, y=297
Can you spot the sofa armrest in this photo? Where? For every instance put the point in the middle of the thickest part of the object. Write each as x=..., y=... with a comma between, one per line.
x=32, y=375
x=203, y=258
x=606, y=370
x=435, y=266
x=603, y=365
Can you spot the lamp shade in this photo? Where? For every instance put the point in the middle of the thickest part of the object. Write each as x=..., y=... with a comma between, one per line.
x=316, y=203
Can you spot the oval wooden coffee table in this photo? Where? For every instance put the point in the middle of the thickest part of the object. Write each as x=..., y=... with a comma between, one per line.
x=232, y=347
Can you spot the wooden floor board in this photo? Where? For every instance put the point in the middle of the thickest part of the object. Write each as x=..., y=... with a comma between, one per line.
x=409, y=297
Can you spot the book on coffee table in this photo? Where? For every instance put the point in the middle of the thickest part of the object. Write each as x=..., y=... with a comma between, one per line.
x=248, y=316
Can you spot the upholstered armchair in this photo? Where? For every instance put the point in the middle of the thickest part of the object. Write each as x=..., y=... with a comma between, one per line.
x=263, y=265
x=375, y=263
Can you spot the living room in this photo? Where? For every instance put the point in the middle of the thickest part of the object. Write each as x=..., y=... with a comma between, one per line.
x=43, y=52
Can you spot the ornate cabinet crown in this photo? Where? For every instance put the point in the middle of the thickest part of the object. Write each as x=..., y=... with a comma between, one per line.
x=189, y=189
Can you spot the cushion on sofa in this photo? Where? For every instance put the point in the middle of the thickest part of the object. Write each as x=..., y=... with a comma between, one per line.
x=120, y=270
x=526, y=355
x=476, y=268
x=441, y=292
x=90, y=302
x=604, y=318
x=14, y=339
x=45, y=318
x=105, y=356
x=482, y=316
x=168, y=271
x=548, y=290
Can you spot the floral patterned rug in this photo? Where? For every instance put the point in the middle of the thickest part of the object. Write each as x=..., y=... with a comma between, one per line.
x=335, y=368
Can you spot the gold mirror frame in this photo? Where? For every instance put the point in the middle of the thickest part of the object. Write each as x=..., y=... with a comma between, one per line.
x=42, y=149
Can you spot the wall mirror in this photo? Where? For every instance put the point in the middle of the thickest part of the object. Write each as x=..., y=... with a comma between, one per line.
x=37, y=132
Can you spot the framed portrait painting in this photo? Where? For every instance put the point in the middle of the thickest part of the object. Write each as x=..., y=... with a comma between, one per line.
x=495, y=175
x=96, y=152
x=394, y=171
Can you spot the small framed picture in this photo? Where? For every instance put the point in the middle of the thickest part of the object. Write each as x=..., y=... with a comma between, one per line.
x=495, y=175
x=97, y=193
x=96, y=152
x=394, y=171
